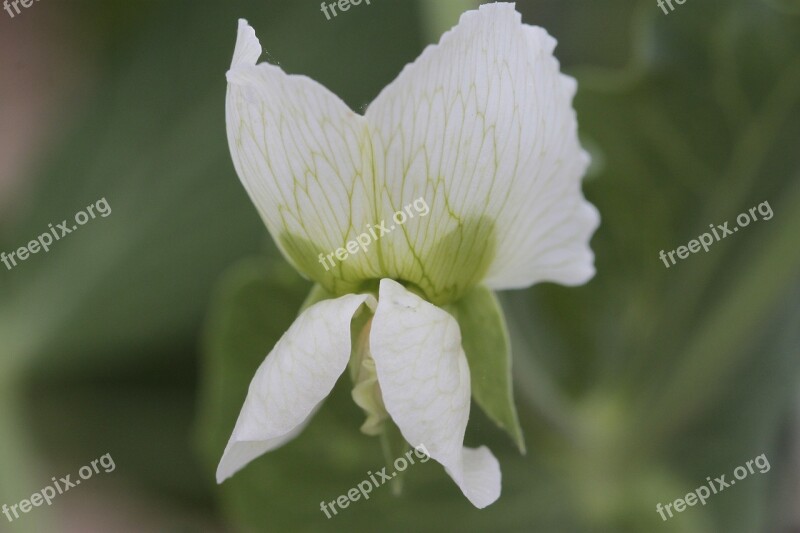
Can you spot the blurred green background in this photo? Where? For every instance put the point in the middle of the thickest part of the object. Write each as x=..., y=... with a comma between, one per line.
x=137, y=335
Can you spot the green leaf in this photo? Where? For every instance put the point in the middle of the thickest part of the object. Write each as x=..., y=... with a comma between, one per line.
x=484, y=337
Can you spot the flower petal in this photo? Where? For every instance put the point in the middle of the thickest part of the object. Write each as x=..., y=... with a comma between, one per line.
x=300, y=153
x=483, y=128
x=425, y=383
x=296, y=376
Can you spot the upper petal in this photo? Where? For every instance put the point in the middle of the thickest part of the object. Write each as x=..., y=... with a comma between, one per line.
x=295, y=377
x=300, y=153
x=425, y=383
x=482, y=127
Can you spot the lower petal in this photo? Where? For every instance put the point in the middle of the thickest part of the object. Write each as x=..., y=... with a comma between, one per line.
x=295, y=377
x=425, y=383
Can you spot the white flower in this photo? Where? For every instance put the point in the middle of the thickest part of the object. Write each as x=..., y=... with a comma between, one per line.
x=482, y=127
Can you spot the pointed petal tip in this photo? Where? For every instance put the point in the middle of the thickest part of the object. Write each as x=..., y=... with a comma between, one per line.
x=222, y=475
x=389, y=288
x=226, y=467
x=248, y=47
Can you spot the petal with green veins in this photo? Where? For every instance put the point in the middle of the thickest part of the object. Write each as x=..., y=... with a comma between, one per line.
x=482, y=127
x=300, y=154
x=425, y=382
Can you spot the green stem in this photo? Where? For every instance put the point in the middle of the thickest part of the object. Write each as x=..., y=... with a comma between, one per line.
x=393, y=445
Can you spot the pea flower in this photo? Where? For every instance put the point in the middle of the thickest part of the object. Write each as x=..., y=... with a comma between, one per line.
x=480, y=126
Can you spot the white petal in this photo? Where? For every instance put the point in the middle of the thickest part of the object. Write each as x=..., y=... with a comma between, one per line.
x=300, y=153
x=296, y=376
x=482, y=127
x=424, y=379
